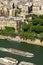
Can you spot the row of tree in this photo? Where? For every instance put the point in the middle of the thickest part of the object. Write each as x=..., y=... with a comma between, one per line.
x=34, y=28
x=8, y=31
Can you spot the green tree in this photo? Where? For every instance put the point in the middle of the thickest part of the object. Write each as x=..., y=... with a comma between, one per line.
x=40, y=36
x=25, y=27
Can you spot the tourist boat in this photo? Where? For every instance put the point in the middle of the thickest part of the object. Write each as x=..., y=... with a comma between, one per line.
x=28, y=54
x=25, y=63
x=18, y=52
x=8, y=60
x=3, y=49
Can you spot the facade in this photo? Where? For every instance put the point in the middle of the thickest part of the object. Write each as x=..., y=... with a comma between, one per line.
x=24, y=8
x=38, y=7
x=11, y=22
x=11, y=6
x=8, y=8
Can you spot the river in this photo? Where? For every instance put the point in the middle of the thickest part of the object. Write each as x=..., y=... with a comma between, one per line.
x=36, y=50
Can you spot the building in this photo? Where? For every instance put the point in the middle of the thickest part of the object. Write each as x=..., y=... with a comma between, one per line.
x=12, y=5
x=24, y=8
x=37, y=7
x=8, y=61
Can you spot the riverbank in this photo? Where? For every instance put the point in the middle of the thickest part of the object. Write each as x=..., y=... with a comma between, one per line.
x=35, y=42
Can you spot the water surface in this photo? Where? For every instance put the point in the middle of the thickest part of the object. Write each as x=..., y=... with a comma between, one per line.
x=36, y=50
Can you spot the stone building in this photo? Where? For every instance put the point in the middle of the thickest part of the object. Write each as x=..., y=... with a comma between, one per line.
x=24, y=8
x=37, y=7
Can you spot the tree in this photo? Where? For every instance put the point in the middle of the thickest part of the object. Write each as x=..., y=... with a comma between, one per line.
x=41, y=16
x=40, y=36
x=31, y=35
x=25, y=27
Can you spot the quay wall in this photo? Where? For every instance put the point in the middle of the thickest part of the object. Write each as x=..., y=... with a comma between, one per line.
x=35, y=42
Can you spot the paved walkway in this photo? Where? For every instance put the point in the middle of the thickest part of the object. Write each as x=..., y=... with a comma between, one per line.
x=35, y=42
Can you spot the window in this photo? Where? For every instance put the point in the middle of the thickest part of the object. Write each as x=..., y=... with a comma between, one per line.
x=13, y=6
x=40, y=7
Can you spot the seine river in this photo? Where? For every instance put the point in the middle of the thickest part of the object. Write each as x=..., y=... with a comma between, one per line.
x=36, y=50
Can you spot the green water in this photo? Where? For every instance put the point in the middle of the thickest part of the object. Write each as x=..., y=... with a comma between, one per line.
x=36, y=50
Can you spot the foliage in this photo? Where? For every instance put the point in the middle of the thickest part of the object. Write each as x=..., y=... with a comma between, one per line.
x=8, y=31
x=33, y=28
x=40, y=36
x=9, y=28
x=41, y=16
x=18, y=11
x=25, y=27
